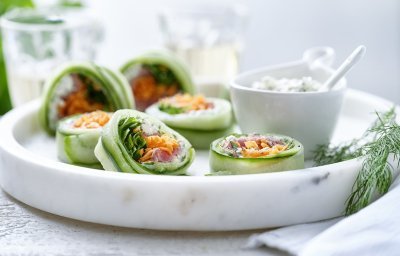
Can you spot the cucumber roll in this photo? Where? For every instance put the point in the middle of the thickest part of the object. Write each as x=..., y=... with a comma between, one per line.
x=134, y=142
x=201, y=120
x=155, y=75
x=77, y=137
x=254, y=153
x=80, y=87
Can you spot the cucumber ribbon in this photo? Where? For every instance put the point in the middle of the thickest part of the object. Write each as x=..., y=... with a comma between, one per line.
x=122, y=140
x=199, y=127
x=223, y=163
x=113, y=90
x=76, y=145
x=165, y=68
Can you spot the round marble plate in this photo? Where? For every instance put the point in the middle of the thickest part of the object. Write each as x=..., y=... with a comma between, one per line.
x=30, y=172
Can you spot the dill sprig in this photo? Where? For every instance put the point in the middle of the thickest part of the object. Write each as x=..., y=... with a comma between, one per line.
x=375, y=146
x=329, y=154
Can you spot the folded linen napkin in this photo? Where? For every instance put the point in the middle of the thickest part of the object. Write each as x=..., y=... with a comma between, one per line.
x=375, y=230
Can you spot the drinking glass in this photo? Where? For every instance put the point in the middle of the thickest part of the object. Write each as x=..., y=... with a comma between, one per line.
x=35, y=41
x=209, y=39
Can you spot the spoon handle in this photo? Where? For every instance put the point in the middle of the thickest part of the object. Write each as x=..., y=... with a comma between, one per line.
x=354, y=57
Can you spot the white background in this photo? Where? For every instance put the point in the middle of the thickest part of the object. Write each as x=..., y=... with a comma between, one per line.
x=278, y=31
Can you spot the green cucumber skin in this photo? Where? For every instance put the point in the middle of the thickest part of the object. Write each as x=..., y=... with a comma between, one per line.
x=117, y=90
x=120, y=83
x=114, y=157
x=167, y=59
x=106, y=161
x=224, y=165
x=204, y=121
x=221, y=164
x=78, y=149
x=203, y=139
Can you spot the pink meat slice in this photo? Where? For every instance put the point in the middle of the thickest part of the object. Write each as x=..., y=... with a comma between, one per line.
x=163, y=156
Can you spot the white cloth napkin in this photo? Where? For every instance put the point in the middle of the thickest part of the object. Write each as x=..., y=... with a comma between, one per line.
x=375, y=230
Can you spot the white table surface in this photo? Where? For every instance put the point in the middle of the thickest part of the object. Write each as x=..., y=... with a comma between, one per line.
x=28, y=231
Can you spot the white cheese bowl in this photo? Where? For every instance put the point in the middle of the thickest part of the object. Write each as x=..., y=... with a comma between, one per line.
x=309, y=117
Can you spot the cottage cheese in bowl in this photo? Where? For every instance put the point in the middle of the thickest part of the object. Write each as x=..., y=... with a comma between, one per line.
x=303, y=84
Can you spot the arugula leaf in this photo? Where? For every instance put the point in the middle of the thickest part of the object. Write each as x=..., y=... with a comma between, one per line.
x=131, y=138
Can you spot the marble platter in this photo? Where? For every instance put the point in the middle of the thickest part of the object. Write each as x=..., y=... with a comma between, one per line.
x=31, y=173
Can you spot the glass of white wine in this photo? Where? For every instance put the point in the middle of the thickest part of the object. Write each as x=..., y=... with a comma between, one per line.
x=209, y=39
x=35, y=41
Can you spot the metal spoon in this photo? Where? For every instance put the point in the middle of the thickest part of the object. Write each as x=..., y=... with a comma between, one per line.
x=353, y=58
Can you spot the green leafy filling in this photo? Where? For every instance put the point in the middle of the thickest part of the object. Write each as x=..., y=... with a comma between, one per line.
x=161, y=74
x=131, y=136
x=170, y=109
x=94, y=93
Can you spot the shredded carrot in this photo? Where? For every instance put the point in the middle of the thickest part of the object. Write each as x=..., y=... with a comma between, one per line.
x=78, y=100
x=92, y=120
x=147, y=91
x=251, y=144
x=148, y=154
x=163, y=142
x=188, y=102
x=144, y=87
x=254, y=149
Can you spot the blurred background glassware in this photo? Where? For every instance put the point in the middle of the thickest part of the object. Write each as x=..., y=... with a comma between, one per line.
x=35, y=41
x=5, y=102
x=209, y=39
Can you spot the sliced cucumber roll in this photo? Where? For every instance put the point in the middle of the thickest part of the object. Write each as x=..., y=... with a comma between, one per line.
x=154, y=75
x=135, y=142
x=201, y=120
x=80, y=87
x=254, y=153
x=77, y=137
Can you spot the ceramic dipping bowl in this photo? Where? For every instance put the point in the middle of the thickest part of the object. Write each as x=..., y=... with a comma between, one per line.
x=309, y=117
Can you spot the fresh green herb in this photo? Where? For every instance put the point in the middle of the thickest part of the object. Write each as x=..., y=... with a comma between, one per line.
x=94, y=92
x=329, y=154
x=172, y=110
x=131, y=136
x=289, y=143
x=376, y=172
x=162, y=74
x=234, y=145
x=375, y=146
